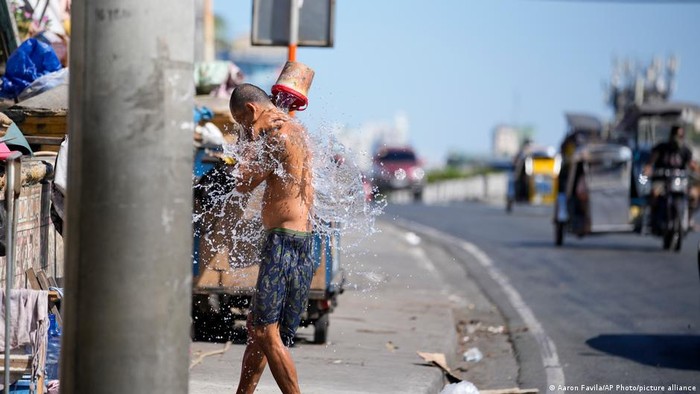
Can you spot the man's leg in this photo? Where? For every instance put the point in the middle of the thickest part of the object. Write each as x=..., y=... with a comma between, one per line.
x=254, y=362
x=280, y=360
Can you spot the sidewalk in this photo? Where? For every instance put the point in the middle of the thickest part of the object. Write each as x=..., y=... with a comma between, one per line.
x=401, y=298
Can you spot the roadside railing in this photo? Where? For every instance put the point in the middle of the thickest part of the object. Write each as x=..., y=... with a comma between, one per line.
x=489, y=187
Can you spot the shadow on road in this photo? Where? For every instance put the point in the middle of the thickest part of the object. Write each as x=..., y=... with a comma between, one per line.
x=663, y=351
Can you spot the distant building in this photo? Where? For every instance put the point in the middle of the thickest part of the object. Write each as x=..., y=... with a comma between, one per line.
x=506, y=141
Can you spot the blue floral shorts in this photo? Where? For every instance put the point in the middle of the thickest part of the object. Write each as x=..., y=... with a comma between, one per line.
x=282, y=290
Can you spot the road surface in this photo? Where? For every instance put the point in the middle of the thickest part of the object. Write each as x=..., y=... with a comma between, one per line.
x=619, y=309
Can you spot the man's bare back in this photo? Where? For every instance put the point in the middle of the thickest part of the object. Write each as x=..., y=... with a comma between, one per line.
x=286, y=169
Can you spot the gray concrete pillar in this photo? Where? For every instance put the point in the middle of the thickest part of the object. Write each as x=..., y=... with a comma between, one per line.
x=129, y=200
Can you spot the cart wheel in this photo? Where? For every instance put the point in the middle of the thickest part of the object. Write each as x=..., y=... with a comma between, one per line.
x=321, y=329
x=559, y=234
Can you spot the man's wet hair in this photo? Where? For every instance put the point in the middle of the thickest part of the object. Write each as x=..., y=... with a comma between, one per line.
x=247, y=93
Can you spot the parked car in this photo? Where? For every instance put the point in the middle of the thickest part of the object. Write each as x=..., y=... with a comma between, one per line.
x=398, y=169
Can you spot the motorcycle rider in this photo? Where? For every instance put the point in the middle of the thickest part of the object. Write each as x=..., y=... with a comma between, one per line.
x=672, y=154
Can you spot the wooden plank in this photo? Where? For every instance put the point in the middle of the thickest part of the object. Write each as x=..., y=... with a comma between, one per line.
x=43, y=280
x=19, y=363
x=57, y=313
x=32, y=279
x=318, y=282
x=40, y=383
x=43, y=140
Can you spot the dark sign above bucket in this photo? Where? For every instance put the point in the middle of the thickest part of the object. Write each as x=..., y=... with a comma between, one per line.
x=271, y=23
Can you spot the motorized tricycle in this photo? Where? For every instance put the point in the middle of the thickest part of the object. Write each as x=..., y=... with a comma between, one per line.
x=598, y=198
x=534, y=179
x=597, y=193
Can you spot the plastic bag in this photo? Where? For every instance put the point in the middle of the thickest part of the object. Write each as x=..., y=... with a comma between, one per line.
x=460, y=388
x=30, y=61
x=44, y=83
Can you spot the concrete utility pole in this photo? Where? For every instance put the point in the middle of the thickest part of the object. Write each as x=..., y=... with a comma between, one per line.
x=129, y=200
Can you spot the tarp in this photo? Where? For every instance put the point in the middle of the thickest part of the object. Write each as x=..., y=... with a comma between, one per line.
x=30, y=61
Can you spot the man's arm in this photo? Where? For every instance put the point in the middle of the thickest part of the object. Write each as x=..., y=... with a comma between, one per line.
x=256, y=166
x=249, y=176
x=252, y=170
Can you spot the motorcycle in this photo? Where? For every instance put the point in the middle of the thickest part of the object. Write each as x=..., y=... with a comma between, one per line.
x=669, y=210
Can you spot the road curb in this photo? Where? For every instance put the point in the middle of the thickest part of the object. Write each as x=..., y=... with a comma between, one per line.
x=525, y=345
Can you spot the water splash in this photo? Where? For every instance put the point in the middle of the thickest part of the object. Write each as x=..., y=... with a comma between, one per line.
x=228, y=223
x=341, y=200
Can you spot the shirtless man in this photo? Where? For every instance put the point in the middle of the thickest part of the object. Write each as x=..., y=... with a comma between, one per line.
x=286, y=265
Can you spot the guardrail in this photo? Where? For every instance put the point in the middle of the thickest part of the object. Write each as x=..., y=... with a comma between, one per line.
x=490, y=187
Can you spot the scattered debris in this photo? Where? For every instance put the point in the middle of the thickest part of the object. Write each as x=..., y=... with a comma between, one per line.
x=496, y=329
x=476, y=326
x=473, y=327
x=473, y=355
x=202, y=356
x=439, y=360
x=336, y=361
x=391, y=347
x=463, y=387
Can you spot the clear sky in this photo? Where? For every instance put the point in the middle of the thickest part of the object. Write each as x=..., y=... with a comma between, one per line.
x=459, y=67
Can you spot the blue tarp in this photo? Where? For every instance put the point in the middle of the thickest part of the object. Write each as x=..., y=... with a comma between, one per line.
x=30, y=61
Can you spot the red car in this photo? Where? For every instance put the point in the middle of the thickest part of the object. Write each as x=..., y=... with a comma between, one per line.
x=398, y=169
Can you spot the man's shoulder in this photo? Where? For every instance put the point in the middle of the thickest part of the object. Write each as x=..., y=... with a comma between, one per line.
x=290, y=131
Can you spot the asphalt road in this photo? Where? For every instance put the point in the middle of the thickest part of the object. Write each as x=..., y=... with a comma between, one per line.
x=619, y=309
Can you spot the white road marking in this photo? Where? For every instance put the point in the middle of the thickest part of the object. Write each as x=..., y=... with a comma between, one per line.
x=548, y=350
x=425, y=262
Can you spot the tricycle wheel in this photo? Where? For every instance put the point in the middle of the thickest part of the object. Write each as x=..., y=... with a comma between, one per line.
x=559, y=234
x=321, y=329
